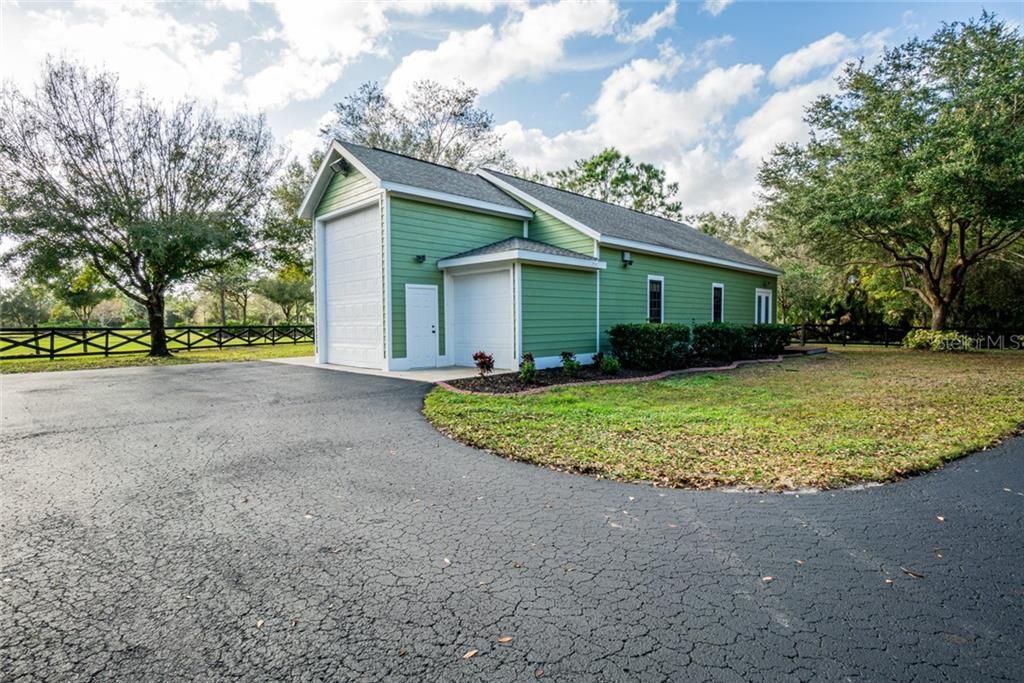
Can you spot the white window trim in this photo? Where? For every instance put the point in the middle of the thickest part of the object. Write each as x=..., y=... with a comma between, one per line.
x=771, y=304
x=714, y=286
x=661, y=279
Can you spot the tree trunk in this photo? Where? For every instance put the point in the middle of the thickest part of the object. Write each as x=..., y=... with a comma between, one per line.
x=940, y=309
x=223, y=309
x=157, y=332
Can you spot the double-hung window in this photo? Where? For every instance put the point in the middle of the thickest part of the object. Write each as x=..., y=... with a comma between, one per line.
x=762, y=306
x=655, y=299
x=717, y=302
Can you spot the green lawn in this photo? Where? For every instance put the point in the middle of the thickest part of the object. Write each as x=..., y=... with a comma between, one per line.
x=234, y=353
x=857, y=414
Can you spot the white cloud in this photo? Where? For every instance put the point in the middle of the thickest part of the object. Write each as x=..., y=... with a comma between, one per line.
x=824, y=52
x=649, y=28
x=530, y=43
x=715, y=7
x=229, y=5
x=421, y=7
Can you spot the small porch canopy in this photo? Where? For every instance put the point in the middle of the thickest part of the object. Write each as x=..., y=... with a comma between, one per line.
x=522, y=250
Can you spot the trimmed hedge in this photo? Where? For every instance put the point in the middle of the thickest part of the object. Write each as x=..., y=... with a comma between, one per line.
x=667, y=346
x=650, y=346
x=934, y=340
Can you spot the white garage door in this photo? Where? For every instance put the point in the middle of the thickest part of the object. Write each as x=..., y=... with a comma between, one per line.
x=353, y=294
x=483, y=317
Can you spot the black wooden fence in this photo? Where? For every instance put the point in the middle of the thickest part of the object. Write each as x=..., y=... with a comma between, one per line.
x=59, y=342
x=882, y=335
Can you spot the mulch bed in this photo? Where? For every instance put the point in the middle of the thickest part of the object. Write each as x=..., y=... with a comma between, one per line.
x=508, y=382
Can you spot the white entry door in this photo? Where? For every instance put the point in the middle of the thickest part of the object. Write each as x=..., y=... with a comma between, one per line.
x=421, y=326
x=763, y=306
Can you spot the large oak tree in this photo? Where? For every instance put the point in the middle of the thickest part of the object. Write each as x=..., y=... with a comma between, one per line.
x=150, y=196
x=917, y=163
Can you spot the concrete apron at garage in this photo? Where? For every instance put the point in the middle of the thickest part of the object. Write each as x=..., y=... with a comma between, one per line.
x=430, y=375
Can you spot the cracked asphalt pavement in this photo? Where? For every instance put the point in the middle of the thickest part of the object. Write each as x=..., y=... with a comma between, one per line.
x=257, y=521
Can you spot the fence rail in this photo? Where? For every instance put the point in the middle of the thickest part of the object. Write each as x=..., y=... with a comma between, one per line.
x=882, y=335
x=60, y=342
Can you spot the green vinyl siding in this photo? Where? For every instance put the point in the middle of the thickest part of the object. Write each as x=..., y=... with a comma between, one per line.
x=686, y=294
x=435, y=232
x=546, y=228
x=559, y=310
x=344, y=190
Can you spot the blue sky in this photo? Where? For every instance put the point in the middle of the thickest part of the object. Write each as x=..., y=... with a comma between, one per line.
x=703, y=89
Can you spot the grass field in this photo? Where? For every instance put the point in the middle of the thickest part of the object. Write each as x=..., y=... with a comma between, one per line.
x=232, y=353
x=857, y=414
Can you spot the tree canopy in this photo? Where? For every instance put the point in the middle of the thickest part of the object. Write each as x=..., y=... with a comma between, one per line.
x=149, y=196
x=613, y=177
x=434, y=122
x=917, y=164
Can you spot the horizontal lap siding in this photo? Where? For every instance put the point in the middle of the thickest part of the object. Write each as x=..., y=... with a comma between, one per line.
x=546, y=228
x=345, y=190
x=436, y=232
x=559, y=310
x=687, y=293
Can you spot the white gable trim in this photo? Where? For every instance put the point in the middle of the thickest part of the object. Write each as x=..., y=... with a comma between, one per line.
x=323, y=177
x=530, y=200
x=434, y=196
x=645, y=248
x=523, y=256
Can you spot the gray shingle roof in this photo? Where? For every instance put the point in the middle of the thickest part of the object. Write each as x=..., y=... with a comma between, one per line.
x=522, y=244
x=616, y=221
x=397, y=168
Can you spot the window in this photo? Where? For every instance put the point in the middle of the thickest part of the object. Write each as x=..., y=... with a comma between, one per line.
x=762, y=306
x=655, y=299
x=717, y=302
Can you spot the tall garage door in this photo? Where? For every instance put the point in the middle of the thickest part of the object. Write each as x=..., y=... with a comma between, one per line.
x=354, y=280
x=483, y=317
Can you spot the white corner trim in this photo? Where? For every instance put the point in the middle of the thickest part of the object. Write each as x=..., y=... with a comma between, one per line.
x=323, y=176
x=686, y=256
x=538, y=204
x=661, y=279
x=523, y=256
x=547, y=362
x=455, y=200
x=517, y=292
x=597, y=339
x=389, y=331
x=319, y=292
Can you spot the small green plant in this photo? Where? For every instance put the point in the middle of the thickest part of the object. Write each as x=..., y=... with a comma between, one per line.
x=527, y=369
x=610, y=366
x=484, y=362
x=570, y=366
x=597, y=359
x=935, y=340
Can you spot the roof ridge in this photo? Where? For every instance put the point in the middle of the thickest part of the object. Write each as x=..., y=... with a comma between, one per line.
x=595, y=199
x=405, y=156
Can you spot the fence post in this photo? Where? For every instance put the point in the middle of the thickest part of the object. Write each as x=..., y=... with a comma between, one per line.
x=803, y=334
x=885, y=336
x=51, y=344
x=35, y=332
x=106, y=342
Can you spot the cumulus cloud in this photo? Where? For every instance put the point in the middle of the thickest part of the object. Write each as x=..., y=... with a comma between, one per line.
x=824, y=52
x=530, y=43
x=715, y=7
x=649, y=28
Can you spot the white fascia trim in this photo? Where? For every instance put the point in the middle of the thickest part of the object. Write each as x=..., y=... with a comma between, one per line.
x=537, y=204
x=524, y=257
x=687, y=256
x=323, y=177
x=351, y=208
x=455, y=200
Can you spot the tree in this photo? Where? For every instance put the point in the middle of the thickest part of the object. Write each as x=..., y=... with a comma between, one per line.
x=613, y=177
x=437, y=123
x=916, y=165
x=288, y=238
x=81, y=290
x=233, y=282
x=291, y=289
x=151, y=197
x=24, y=304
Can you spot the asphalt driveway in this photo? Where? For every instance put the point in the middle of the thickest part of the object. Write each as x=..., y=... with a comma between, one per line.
x=258, y=521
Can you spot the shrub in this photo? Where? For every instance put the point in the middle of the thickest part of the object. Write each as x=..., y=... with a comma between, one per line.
x=597, y=359
x=935, y=340
x=769, y=339
x=650, y=346
x=527, y=369
x=484, y=362
x=610, y=366
x=570, y=366
x=724, y=342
